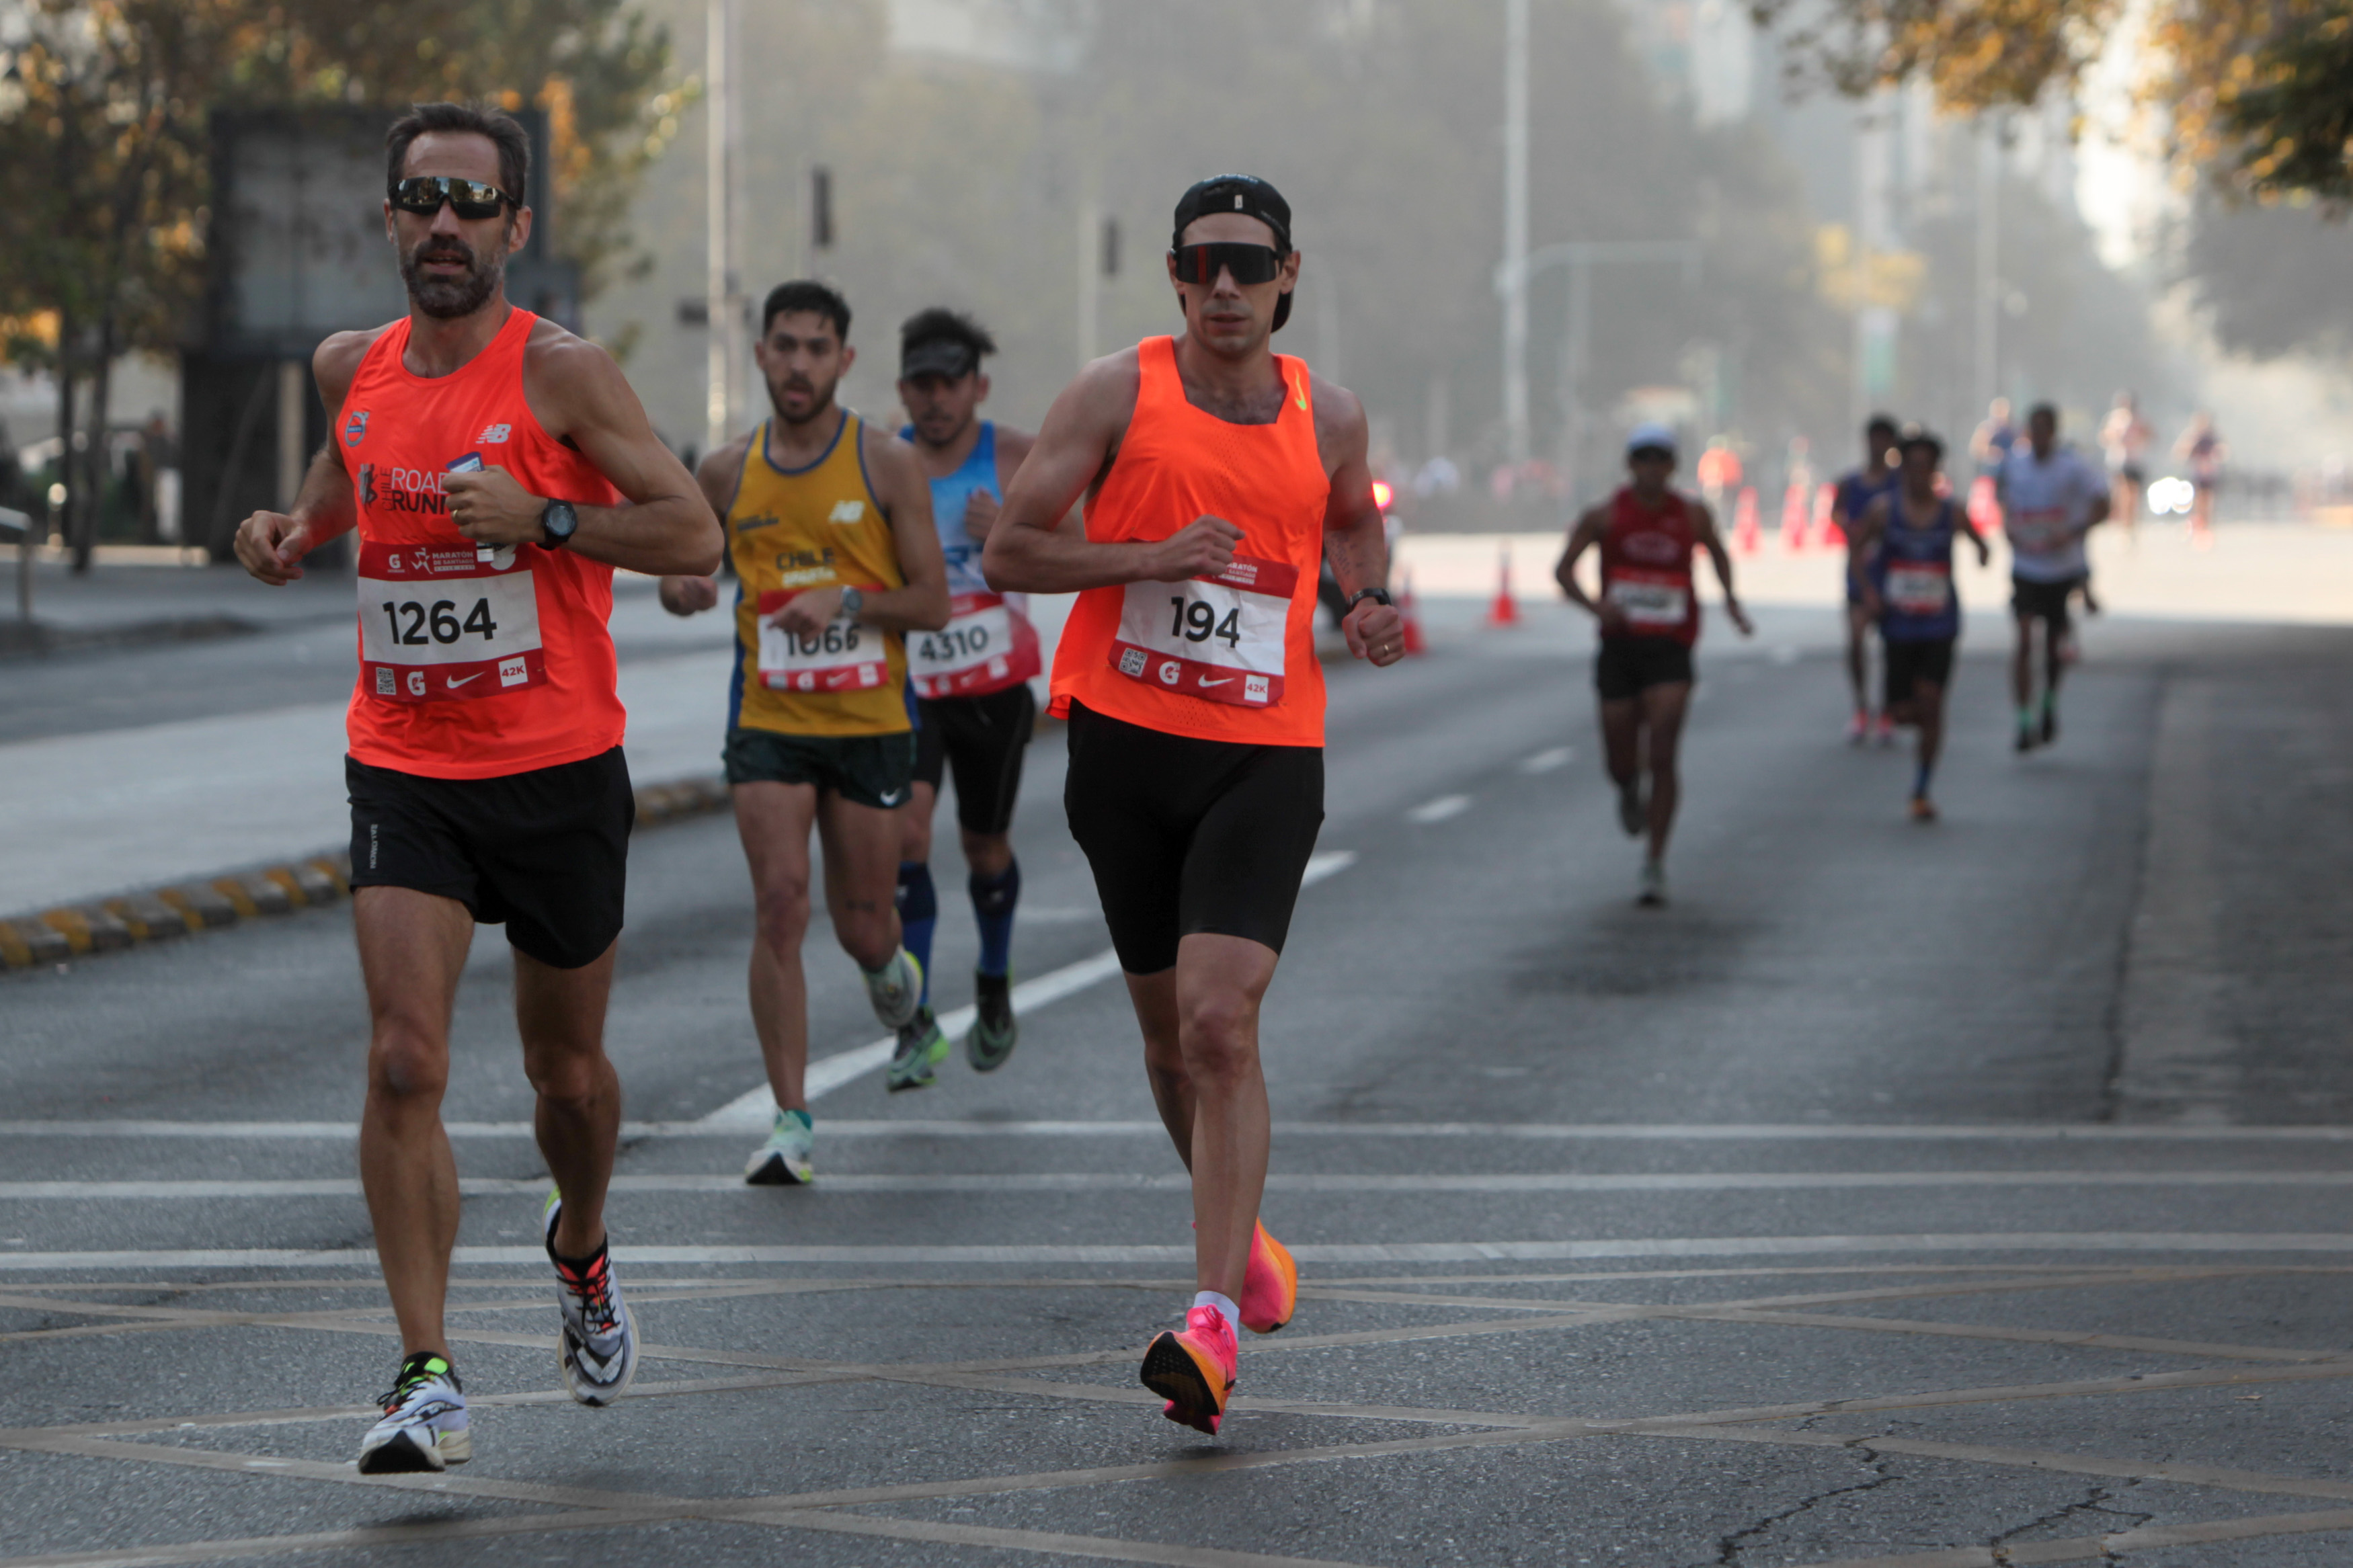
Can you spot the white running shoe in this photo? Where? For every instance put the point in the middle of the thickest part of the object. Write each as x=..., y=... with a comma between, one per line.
x=424, y=1425
x=1653, y=885
x=788, y=1159
x=896, y=990
x=597, y=1343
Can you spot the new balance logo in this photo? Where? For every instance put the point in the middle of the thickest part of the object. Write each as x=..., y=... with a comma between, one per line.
x=848, y=511
x=493, y=434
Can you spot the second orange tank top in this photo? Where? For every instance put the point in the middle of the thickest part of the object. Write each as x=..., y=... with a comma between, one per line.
x=1229, y=657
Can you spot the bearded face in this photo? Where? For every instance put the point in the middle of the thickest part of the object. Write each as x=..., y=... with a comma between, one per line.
x=448, y=278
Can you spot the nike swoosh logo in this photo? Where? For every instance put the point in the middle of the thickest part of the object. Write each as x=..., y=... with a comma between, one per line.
x=890, y=799
x=1299, y=389
x=456, y=682
x=1226, y=680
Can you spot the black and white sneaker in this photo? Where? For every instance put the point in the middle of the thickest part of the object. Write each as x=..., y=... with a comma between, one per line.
x=424, y=1425
x=597, y=1343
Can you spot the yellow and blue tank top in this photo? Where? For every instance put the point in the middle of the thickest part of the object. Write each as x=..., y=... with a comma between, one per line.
x=792, y=530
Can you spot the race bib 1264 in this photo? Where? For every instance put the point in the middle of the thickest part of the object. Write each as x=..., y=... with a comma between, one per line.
x=442, y=622
x=1217, y=638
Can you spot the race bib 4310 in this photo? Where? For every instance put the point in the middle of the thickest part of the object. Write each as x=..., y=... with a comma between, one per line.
x=986, y=645
x=442, y=622
x=841, y=656
x=1220, y=638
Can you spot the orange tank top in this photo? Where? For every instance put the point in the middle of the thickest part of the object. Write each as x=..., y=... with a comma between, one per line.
x=474, y=663
x=1229, y=657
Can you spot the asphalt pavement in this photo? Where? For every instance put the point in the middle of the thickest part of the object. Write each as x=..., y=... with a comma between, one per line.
x=1943, y=1195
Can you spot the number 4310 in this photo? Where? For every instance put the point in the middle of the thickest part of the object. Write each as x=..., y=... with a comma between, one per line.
x=1197, y=622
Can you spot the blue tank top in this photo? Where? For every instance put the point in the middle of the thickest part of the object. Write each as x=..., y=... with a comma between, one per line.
x=1914, y=573
x=1856, y=491
x=977, y=472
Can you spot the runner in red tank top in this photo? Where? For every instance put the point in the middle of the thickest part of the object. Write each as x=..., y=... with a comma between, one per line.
x=498, y=470
x=1649, y=611
x=1218, y=475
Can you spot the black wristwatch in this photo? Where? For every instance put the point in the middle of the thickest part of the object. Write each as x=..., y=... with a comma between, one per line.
x=559, y=522
x=1377, y=596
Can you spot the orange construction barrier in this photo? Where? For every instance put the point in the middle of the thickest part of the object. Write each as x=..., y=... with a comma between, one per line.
x=1745, y=534
x=1414, y=641
x=1503, y=612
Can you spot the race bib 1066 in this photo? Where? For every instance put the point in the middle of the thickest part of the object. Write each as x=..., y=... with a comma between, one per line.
x=986, y=645
x=442, y=622
x=841, y=656
x=1217, y=638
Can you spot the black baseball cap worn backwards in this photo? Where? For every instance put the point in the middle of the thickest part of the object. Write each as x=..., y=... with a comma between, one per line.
x=1248, y=195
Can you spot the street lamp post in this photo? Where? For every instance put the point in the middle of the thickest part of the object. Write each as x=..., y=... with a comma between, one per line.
x=1515, y=231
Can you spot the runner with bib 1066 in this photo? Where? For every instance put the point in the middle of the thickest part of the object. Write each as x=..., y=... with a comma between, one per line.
x=830, y=524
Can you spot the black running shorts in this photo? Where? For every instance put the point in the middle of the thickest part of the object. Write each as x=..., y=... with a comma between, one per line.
x=982, y=738
x=1909, y=663
x=2031, y=600
x=544, y=853
x=1187, y=836
x=864, y=770
x=1627, y=667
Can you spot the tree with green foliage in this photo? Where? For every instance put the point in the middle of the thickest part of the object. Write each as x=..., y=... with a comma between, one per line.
x=105, y=154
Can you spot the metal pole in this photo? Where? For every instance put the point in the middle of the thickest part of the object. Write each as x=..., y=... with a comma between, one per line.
x=1515, y=230
x=1988, y=265
x=1573, y=352
x=1090, y=281
x=719, y=351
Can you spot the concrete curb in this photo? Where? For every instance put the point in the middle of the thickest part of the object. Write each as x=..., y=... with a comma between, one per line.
x=111, y=925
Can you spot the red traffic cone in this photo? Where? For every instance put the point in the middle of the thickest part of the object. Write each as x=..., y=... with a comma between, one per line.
x=1414, y=641
x=1984, y=510
x=1745, y=534
x=1793, y=518
x=1503, y=612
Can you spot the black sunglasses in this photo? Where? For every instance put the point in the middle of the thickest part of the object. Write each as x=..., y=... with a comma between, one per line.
x=424, y=193
x=1249, y=263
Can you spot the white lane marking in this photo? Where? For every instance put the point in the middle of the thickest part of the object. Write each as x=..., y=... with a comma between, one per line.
x=1665, y=1132
x=1346, y=1182
x=1341, y=1252
x=750, y=1110
x=1546, y=760
x=1785, y=653
x=1438, y=810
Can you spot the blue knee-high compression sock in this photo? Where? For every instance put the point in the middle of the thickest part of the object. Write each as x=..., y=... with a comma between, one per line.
x=993, y=898
x=919, y=911
x=1920, y=780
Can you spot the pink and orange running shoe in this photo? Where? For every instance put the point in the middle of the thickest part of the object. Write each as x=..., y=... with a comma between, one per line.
x=1193, y=1369
x=1270, y=1284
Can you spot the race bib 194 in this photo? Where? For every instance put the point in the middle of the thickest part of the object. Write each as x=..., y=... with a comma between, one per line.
x=842, y=657
x=1218, y=637
x=1918, y=587
x=441, y=622
x=1653, y=601
x=986, y=645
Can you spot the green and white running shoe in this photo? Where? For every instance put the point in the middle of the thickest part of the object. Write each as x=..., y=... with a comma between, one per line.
x=896, y=990
x=994, y=1032
x=597, y=1340
x=424, y=1425
x=788, y=1159
x=923, y=1047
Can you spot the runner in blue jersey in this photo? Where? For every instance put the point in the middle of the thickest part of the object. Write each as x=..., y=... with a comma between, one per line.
x=1856, y=490
x=1902, y=553
x=970, y=684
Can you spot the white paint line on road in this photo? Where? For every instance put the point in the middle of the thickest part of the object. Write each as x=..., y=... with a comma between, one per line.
x=1604, y=1131
x=750, y=1110
x=1784, y=653
x=1103, y=1181
x=1373, y=1252
x=1548, y=761
x=1438, y=810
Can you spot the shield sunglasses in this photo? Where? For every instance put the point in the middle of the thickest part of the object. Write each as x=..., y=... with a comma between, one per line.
x=1249, y=263
x=424, y=193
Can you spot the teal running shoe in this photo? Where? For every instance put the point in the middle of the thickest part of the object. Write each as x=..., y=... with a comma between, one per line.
x=923, y=1047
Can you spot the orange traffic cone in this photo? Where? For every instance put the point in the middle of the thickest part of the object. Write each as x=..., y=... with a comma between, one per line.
x=1414, y=641
x=1745, y=534
x=1503, y=612
x=1824, y=530
x=1793, y=518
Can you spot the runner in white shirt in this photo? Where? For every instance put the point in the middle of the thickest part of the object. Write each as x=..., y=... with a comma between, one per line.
x=2051, y=497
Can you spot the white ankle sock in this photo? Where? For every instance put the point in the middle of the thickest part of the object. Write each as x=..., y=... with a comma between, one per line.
x=1222, y=1303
